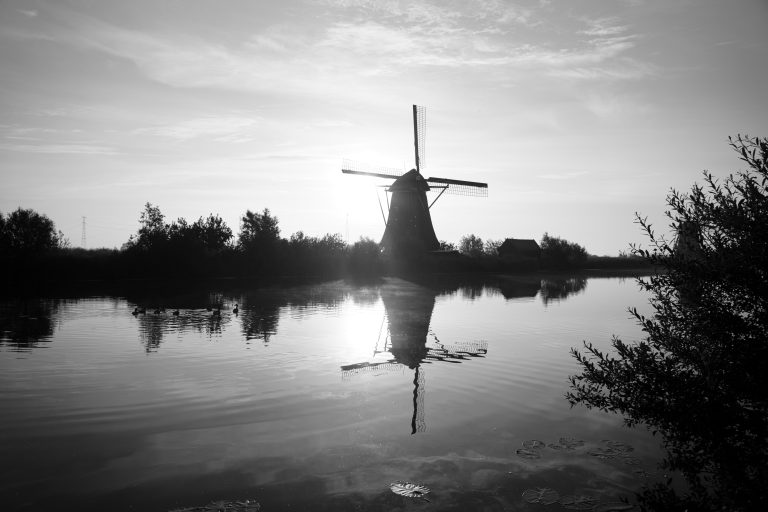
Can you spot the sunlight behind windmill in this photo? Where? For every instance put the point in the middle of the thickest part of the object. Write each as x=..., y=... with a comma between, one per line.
x=408, y=221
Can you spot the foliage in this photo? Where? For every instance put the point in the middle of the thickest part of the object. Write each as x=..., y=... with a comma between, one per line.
x=258, y=230
x=447, y=246
x=365, y=257
x=24, y=231
x=491, y=247
x=698, y=377
x=559, y=253
x=471, y=245
x=152, y=229
x=210, y=233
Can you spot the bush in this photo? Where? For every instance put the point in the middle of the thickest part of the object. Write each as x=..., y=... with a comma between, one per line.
x=559, y=253
x=471, y=245
x=698, y=377
x=26, y=232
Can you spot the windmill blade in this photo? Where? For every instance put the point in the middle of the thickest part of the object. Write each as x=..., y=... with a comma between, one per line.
x=419, y=136
x=460, y=187
x=351, y=167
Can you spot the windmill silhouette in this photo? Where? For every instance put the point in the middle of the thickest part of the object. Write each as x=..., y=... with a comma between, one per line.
x=409, y=223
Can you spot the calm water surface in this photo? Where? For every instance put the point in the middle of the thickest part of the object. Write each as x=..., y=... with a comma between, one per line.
x=311, y=397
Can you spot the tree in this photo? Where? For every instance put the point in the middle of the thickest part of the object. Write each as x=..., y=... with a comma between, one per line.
x=153, y=232
x=491, y=247
x=560, y=253
x=212, y=232
x=698, y=377
x=447, y=246
x=258, y=230
x=24, y=231
x=471, y=245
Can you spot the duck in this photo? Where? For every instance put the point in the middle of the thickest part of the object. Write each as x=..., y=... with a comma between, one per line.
x=175, y=312
x=135, y=311
x=158, y=311
x=235, y=309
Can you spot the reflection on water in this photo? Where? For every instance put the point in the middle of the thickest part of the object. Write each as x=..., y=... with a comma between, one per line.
x=408, y=311
x=27, y=322
x=156, y=411
x=560, y=288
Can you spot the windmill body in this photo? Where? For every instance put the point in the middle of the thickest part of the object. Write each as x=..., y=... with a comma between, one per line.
x=409, y=226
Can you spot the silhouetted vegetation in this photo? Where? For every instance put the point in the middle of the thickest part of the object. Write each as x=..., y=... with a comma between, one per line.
x=559, y=253
x=208, y=248
x=471, y=245
x=28, y=233
x=698, y=377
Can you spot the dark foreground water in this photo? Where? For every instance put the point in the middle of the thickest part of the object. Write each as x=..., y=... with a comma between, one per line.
x=313, y=397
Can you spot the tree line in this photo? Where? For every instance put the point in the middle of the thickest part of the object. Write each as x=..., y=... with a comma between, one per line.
x=209, y=247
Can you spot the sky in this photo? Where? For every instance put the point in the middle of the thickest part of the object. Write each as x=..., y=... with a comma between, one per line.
x=577, y=113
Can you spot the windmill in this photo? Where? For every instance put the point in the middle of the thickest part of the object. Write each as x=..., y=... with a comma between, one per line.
x=409, y=223
x=411, y=344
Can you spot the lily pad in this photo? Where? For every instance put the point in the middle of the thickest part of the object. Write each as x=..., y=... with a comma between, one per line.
x=613, y=506
x=224, y=506
x=618, y=446
x=532, y=444
x=556, y=446
x=571, y=442
x=410, y=490
x=602, y=453
x=528, y=454
x=578, y=502
x=543, y=495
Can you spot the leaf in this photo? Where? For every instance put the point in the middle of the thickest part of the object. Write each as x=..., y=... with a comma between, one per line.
x=571, y=442
x=409, y=490
x=613, y=506
x=543, y=495
x=618, y=446
x=602, y=453
x=528, y=454
x=580, y=502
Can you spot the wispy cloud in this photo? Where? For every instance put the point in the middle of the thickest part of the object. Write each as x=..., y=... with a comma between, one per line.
x=66, y=148
x=223, y=129
x=563, y=175
x=328, y=59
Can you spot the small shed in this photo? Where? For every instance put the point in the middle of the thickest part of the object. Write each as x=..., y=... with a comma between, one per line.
x=520, y=249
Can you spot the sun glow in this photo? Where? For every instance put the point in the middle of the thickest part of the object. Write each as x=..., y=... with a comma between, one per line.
x=363, y=331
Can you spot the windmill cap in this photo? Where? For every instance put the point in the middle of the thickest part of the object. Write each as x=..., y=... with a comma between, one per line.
x=412, y=180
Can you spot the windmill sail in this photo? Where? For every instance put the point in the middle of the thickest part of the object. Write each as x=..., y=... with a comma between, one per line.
x=409, y=228
x=420, y=136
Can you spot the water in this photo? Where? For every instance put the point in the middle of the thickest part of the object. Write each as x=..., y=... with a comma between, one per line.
x=312, y=397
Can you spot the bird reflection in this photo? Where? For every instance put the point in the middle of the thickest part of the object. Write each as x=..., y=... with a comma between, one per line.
x=408, y=339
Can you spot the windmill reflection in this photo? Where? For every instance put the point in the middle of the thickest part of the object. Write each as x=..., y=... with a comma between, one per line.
x=408, y=312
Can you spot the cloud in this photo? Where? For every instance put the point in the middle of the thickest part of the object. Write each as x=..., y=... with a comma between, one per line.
x=66, y=148
x=348, y=55
x=223, y=129
x=563, y=175
x=608, y=106
x=31, y=13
